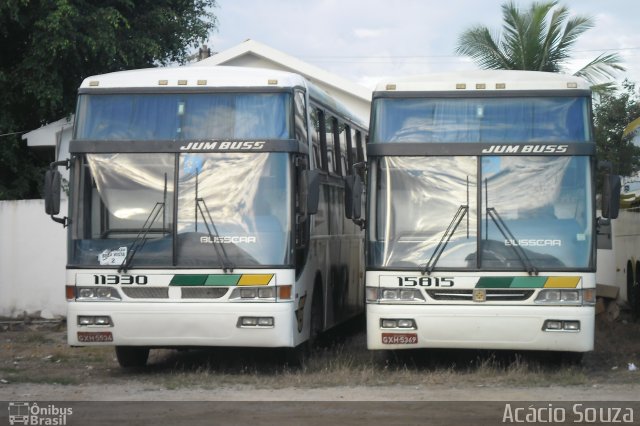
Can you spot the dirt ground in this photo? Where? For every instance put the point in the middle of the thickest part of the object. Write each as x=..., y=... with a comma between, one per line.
x=37, y=365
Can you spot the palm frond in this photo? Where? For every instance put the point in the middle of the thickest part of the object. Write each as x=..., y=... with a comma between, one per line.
x=602, y=67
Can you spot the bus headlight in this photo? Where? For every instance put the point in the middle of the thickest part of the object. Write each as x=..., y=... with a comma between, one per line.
x=399, y=295
x=555, y=296
x=261, y=294
x=101, y=294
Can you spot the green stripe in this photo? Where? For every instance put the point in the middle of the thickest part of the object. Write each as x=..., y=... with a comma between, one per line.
x=494, y=282
x=528, y=282
x=222, y=280
x=511, y=282
x=188, y=280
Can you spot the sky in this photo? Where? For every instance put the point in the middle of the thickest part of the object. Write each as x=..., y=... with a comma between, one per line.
x=367, y=41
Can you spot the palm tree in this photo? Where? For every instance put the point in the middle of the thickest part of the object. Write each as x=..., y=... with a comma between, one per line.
x=537, y=39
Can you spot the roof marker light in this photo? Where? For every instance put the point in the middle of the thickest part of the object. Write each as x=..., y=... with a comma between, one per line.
x=461, y=86
x=481, y=86
x=163, y=82
x=391, y=87
x=501, y=86
x=202, y=82
x=572, y=85
x=273, y=82
x=182, y=82
x=94, y=83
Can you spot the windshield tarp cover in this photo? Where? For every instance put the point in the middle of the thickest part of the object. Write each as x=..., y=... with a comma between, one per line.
x=240, y=201
x=544, y=203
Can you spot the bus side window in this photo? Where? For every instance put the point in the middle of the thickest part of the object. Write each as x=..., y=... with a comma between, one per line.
x=322, y=136
x=319, y=160
x=329, y=143
x=300, y=114
x=350, y=156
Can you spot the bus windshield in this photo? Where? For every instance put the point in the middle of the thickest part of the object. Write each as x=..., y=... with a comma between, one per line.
x=482, y=119
x=184, y=116
x=525, y=212
x=213, y=209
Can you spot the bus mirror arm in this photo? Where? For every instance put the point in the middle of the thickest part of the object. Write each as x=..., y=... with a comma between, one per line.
x=52, y=191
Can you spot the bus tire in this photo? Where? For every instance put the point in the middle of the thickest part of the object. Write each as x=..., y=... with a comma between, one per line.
x=632, y=290
x=132, y=356
x=316, y=317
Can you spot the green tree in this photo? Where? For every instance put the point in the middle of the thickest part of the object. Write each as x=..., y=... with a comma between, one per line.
x=47, y=47
x=539, y=38
x=612, y=113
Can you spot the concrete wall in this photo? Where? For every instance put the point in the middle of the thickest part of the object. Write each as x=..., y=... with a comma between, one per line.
x=32, y=260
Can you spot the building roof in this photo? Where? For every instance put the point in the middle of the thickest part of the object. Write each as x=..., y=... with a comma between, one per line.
x=252, y=53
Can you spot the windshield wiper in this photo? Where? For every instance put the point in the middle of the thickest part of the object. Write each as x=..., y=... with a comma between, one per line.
x=507, y=234
x=214, y=237
x=463, y=210
x=141, y=238
x=218, y=246
x=446, y=237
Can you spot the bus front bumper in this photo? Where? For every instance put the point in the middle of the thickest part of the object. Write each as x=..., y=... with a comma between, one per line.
x=182, y=324
x=481, y=327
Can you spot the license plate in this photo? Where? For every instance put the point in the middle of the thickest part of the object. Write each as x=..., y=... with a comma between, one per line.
x=95, y=336
x=399, y=338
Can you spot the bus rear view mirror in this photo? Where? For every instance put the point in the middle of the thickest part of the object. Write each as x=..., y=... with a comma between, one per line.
x=611, y=196
x=52, y=180
x=353, y=196
x=312, y=181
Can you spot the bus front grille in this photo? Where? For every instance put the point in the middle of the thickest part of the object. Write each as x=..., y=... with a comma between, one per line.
x=491, y=295
x=203, y=292
x=146, y=292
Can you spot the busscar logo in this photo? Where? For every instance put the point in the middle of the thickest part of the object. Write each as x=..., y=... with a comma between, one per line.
x=223, y=146
x=526, y=149
x=27, y=413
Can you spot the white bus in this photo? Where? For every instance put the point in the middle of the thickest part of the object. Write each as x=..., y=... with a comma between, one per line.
x=207, y=208
x=481, y=230
x=619, y=239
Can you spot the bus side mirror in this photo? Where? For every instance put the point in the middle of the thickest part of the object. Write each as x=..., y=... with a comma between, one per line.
x=311, y=182
x=353, y=197
x=52, y=191
x=611, y=196
x=52, y=179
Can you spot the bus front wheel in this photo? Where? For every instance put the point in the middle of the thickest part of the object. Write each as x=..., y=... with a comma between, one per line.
x=132, y=356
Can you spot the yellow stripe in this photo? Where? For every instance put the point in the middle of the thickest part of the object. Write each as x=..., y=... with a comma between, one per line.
x=562, y=282
x=631, y=127
x=255, y=279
